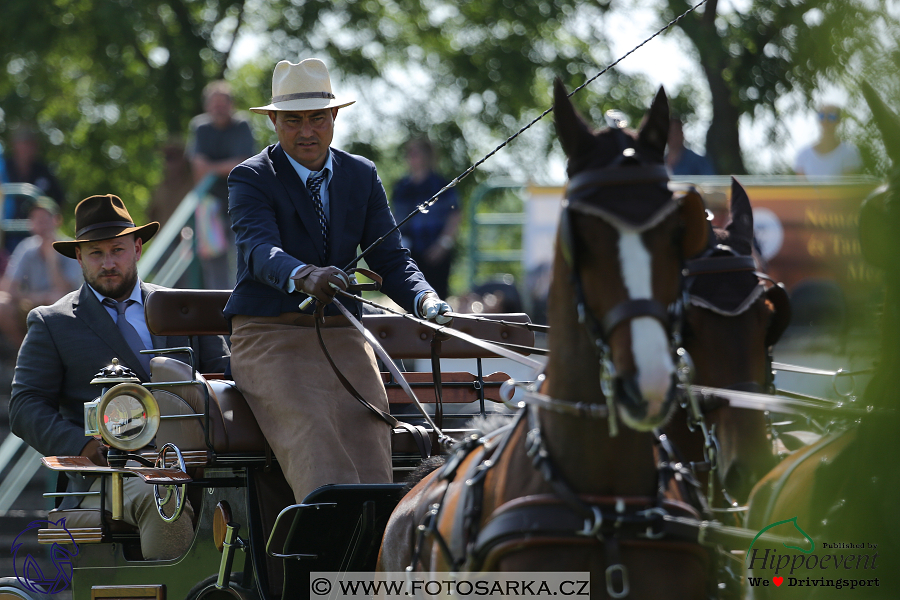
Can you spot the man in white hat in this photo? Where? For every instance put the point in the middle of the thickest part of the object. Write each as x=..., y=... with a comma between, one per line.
x=297, y=209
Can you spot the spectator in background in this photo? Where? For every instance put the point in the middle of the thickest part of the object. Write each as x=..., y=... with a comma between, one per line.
x=220, y=139
x=23, y=165
x=680, y=159
x=177, y=181
x=4, y=176
x=37, y=275
x=430, y=237
x=829, y=155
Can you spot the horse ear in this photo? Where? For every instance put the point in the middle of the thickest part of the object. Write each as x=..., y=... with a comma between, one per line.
x=740, y=227
x=781, y=317
x=574, y=134
x=654, y=132
x=886, y=120
x=696, y=228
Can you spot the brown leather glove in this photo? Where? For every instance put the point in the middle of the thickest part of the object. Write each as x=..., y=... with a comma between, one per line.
x=320, y=282
x=95, y=451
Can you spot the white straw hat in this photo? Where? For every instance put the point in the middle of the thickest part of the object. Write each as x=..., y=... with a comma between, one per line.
x=304, y=86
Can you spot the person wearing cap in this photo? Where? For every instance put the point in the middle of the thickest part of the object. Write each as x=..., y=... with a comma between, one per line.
x=36, y=273
x=299, y=210
x=68, y=342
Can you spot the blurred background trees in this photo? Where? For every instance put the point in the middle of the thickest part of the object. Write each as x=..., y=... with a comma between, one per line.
x=107, y=81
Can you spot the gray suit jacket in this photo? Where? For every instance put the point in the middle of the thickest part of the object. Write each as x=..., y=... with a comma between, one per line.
x=66, y=345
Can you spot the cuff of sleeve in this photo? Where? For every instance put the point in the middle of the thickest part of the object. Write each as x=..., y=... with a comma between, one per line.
x=291, y=287
x=417, y=304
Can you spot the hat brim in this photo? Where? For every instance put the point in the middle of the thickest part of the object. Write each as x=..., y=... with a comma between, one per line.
x=144, y=232
x=304, y=104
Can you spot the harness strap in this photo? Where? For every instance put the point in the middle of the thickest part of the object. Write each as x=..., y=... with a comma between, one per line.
x=418, y=433
x=640, y=307
x=718, y=264
x=436, y=377
x=671, y=467
x=532, y=518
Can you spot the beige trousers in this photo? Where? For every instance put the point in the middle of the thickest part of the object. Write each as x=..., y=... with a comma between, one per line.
x=159, y=540
x=319, y=433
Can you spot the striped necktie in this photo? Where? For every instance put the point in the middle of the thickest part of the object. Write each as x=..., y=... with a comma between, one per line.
x=128, y=331
x=314, y=185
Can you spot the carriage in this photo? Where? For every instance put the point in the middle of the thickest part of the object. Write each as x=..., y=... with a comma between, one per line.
x=546, y=494
x=251, y=540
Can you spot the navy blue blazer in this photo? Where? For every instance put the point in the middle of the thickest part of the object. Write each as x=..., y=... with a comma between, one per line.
x=276, y=230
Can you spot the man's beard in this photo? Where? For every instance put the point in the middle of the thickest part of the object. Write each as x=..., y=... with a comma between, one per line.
x=114, y=290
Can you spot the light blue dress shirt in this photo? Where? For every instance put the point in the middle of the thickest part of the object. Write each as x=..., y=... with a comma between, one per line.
x=134, y=313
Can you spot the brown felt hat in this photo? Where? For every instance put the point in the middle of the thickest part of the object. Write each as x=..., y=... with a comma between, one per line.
x=103, y=218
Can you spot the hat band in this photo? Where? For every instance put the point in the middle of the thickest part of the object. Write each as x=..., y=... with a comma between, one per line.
x=103, y=225
x=302, y=96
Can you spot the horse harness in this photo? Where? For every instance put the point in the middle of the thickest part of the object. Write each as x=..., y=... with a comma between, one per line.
x=562, y=516
x=565, y=515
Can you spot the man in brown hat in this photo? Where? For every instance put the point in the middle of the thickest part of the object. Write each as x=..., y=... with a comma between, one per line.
x=68, y=342
x=299, y=208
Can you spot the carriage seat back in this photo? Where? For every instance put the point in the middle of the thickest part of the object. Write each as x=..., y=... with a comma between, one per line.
x=232, y=426
x=233, y=429
x=200, y=312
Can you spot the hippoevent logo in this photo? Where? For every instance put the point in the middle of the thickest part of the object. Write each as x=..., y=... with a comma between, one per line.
x=29, y=572
x=834, y=566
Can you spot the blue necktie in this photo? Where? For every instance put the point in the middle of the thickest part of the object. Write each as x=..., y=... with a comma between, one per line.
x=128, y=331
x=314, y=185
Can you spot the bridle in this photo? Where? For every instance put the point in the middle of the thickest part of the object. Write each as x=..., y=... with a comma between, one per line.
x=599, y=519
x=628, y=171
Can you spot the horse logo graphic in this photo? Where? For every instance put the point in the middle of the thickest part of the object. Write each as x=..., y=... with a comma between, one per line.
x=31, y=576
x=797, y=527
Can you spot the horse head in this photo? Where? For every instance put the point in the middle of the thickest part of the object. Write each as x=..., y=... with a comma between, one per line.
x=623, y=237
x=731, y=322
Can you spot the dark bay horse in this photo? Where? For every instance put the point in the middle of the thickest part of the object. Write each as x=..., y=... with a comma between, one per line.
x=572, y=484
x=732, y=320
x=845, y=487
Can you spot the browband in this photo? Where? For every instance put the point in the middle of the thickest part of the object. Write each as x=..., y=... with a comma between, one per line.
x=619, y=176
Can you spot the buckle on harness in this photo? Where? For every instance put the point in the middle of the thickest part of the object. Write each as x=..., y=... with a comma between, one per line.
x=661, y=513
x=611, y=571
x=592, y=529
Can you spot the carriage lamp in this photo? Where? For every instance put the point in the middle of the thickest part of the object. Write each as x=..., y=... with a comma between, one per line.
x=126, y=415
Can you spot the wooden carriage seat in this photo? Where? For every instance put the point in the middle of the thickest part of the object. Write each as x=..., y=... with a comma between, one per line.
x=233, y=428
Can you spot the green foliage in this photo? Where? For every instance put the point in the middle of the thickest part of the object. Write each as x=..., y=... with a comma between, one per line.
x=756, y=57
x=107, y=81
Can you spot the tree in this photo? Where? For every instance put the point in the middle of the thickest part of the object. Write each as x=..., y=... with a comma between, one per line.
x=753, y=57
x=106, y=82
